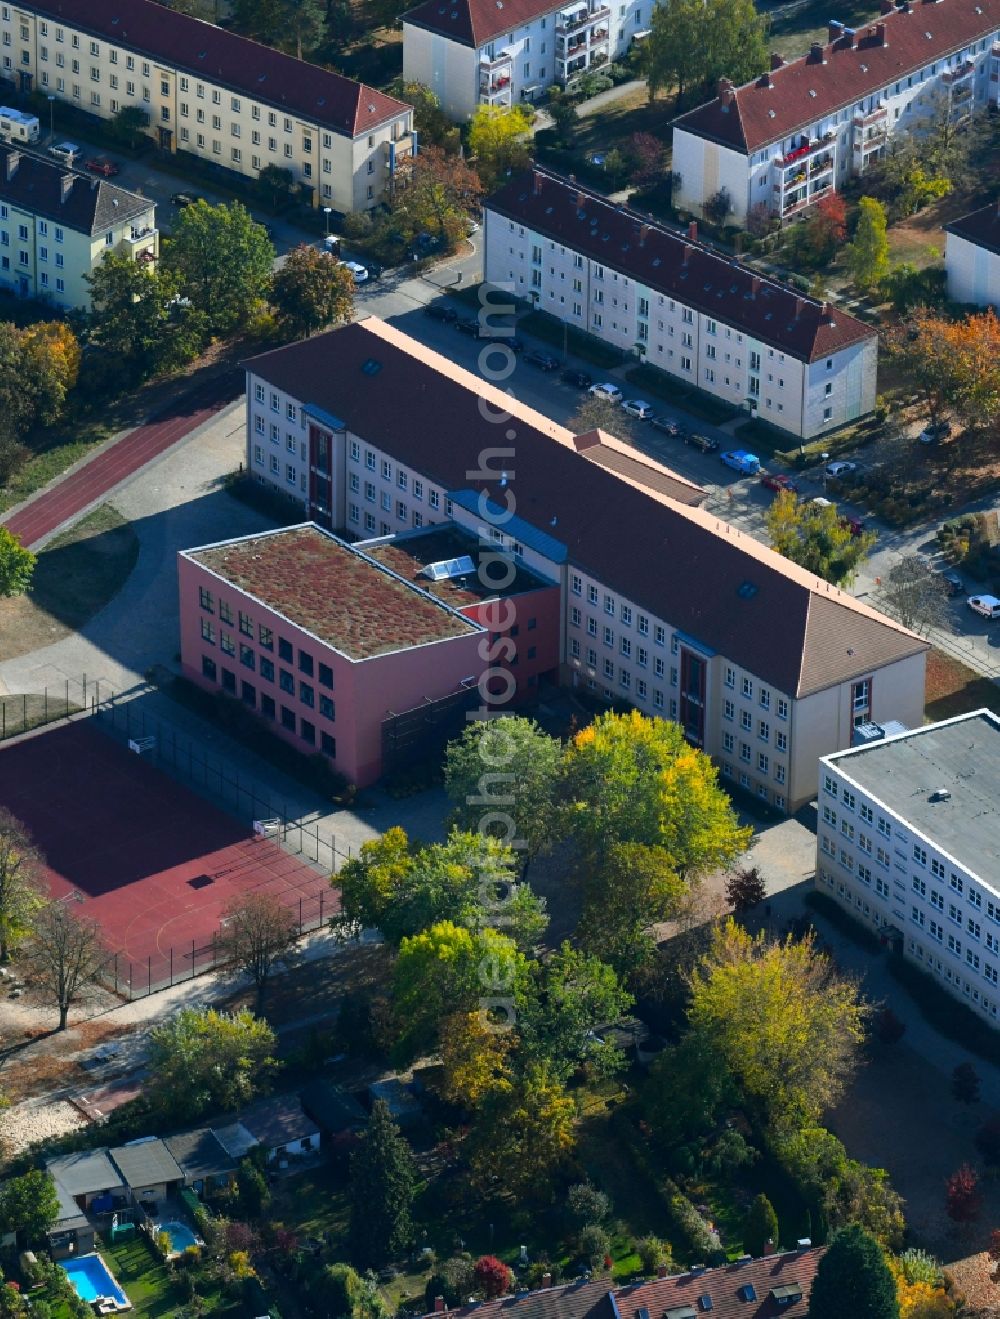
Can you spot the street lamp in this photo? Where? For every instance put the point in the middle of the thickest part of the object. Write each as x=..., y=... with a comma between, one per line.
x=52, y=111
x=326, y=212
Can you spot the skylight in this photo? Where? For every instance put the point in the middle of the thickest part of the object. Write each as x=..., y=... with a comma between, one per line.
x=447, y=569
x=747, y=1292
x=371, y=367
x=705, y=1302
x=746, y=591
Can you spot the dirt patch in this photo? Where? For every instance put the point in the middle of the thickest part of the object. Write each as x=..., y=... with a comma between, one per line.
x=953, y=688
x=76, y=575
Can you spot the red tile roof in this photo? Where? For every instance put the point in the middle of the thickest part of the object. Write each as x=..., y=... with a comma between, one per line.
x=982, y=227
x=333, y=591
x=680, y=266
x=475, y=22
x=659, y=1297
x=814, y=86
x=793, y=630
x=244, y=66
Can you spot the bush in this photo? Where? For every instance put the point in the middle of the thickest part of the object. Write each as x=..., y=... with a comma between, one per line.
x=689, y=1224
x=593, y=1244
x=652, y=1253
x=586, y=1204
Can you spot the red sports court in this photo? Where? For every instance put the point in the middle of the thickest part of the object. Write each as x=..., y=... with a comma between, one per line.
x=151, y=861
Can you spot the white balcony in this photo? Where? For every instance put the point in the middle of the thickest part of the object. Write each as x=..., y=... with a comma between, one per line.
x=571, y=20
x=142, y=245
x=499, y=62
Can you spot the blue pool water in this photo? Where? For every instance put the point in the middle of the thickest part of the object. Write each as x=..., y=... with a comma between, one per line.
x=90, y=1278
x=180, y=1235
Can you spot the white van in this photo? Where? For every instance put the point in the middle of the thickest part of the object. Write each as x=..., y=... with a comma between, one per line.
x=987, y=605
x=16, y=126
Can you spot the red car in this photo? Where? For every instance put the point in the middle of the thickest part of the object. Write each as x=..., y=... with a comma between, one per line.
x=778, y=481
x=101, y=165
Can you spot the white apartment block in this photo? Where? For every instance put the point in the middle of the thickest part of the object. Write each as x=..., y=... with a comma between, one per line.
x=56, y=225
x=909, y=842
x=765, y=666
x=972, y=258
x=206, y=91
x=778, y=144
x=679, y=305
x=503, y=52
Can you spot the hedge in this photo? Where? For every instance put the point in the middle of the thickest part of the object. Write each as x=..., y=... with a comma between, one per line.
x=944, y=1012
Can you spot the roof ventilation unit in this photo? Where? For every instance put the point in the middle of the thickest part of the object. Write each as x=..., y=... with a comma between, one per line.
x=941, y=794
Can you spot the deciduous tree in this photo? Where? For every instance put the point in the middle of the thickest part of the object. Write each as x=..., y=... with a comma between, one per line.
x=493, y=1276
x=382, y=1188
x=138, y=319
x=523, y=1136
x=632, y=889
x=17, y=565
x=201, y=1059
x=787, y=1026
x=436, y=192
x=257, y=931
x=853, y=1278
x=340, y=1291
x=954, y=363
x=867, y=255
x=222, y=259
x=692, y=44
x=29, y=1205
x=475, y=1059
x=63, y=955
x=20, y=871
x=826, y=227
x=814, y=536
x=430, y=121
x=497, y=141
x=963, y=1198
x=745, y=889
x=311, y=291
x=915, y=594
x=644, y=153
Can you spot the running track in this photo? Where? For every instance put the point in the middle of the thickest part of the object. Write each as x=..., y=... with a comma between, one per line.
x=133, y=451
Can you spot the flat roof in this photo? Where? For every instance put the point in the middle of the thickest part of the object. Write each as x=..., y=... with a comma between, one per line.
x=960, y=755
x=85, y=1172
x=411, y=553
x=338, y=594
x=146, y=1163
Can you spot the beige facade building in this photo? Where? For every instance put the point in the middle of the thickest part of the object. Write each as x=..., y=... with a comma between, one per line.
x=679, y=304
x=206, y=91
x=777, y=145
x=765, y=666
x=56, y=225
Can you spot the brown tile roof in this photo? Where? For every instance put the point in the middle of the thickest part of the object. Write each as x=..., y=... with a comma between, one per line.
x=212, y=53
x=90, y=206
x=676, y=265
x=637, y=467
x=660, y=1297
x=337, y=594
x=475, y=22
x=410, y=553
x=982, y=227
x=772, y=107
x=682, y=564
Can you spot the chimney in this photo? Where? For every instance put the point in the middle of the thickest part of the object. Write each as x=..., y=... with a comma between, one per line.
x=439, y=1305
x=768, y=1248
x=579, y=201
x=693, y=231
x=727, y=93
x=546, y=1280
x=687, y=255
x=828, y=314
x=835, y=30
x=644, y=231
x=754, y=285
x=536, y=183
x=777, y=60
x=850, y=33
x=816, y=53
x=661, y=1270
x=66, y=186
x=800, y=306
x=13, y=160
x=880, y=34
x=764, y=80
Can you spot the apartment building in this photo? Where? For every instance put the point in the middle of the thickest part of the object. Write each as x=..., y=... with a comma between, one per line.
x=679, y=304
x=909, y=843
x=206, y=91
x=776, y=145
x=56, y=225
x=972, y=257
x=661, y=604
x=503, y=52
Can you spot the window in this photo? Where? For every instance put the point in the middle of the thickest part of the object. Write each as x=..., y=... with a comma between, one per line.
x=205, y=599
x=782, y=708
x=208, y=668
x=208, y=631
x=748, y=688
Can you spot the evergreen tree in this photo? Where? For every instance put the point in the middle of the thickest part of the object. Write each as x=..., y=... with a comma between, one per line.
x=853, y=1279
x=382, y=1190
x=761, y=1226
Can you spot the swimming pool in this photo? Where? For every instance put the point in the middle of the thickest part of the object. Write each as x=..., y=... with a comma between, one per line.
x=180, y=1235
x=92, y=1278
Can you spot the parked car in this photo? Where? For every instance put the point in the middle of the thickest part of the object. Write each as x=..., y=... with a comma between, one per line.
x=359, y=272
x=608, y=391
x=953, y=583
x=578, y=379
x=740, y=460
x=935, y=433
x=101, y=165
x=438, y=311
x=703, y=442
x=182, y=199
x=822, y=501
x=841, y=469
x=778, y=481
x=66, y=152
x=635, y=407
x=665, y=424
x=468, y=325
x=544, y=361
x=987, y=605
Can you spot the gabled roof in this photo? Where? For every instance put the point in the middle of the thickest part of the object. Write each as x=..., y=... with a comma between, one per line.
x=278, y=1121
x=838, y=74
x=200, y=1154
x=146, y=1163
x=475, y=22
x=790, y=1275
x=676, y=264
x=715, y=583
x=212, y=53
x=981, y=227
x=90, y=206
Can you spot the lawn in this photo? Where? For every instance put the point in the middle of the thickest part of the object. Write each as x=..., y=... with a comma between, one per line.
x=76, y=575
x=953, y=688
x=153, y=1288
x=57, y=453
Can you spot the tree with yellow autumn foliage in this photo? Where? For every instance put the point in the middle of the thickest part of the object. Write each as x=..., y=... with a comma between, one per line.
x=474, y=1058
x=955, y=364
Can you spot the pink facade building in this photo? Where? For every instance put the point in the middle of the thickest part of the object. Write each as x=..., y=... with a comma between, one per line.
x=330, y=642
